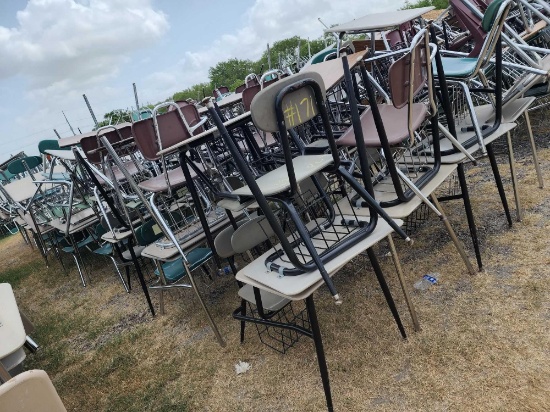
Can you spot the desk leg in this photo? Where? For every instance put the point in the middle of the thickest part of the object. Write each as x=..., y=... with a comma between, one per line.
x=4, y=374
x=469, y=213
x=196, y=200
x=140, y=277
x=498, y=181
x=320, y=350
x=399, y=270
x=386, y=291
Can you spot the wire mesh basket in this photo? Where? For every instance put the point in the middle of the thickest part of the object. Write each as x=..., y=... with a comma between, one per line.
x=278, y=338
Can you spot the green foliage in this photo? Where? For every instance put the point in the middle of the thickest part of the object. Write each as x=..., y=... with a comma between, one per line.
x=194, y=92
x=438, y=4
x=230, y=73
x=114, y=117
x=284, y=51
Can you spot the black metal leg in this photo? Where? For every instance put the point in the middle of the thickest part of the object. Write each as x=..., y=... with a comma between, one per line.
x=469, y=213
x=386, y=291
x=243, y=323
x=141, y=278
x=127, y=268
x=198, y=207
x=498, y=181
x=320, y=351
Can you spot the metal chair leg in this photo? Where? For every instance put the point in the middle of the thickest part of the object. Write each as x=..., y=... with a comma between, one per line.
x=208, y=315
x=498, y=181
x=452, y=234
x=469, y=213
x=386, y=291
x=399, y=270
x=512, y=161
x=79, y=270
x=534, y=149
x=119, y=274
x=321, y=360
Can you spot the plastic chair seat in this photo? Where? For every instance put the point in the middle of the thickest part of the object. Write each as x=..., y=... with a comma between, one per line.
x=458, y=67
x=104, y=250
x=174, y=270
x=158, y=183
x=81, y=244
x=395, y=124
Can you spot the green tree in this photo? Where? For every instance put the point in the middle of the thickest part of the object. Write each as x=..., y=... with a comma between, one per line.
x=285, y=52
x=438, y=4
x=230, y=73
x=114, y=117
x=195, y=92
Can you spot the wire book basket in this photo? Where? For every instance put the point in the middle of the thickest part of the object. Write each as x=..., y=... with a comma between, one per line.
x=282, y=339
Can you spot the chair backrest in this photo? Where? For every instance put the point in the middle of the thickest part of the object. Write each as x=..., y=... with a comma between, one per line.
x=251, y=234
x=409, y=74
x=240, y=88
x=146, y=140
x=251, y=80
x=90, y=143
x=220, y=91
x=471, y=23
x=50, y=144
x=18, y=166
x=300, y=105
x=30, y=391
x=492, y=23
x=248, y=95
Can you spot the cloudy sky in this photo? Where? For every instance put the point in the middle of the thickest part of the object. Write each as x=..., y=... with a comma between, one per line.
x=53, y=51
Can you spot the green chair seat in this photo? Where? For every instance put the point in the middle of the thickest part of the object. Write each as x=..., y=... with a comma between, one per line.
x=81, y=244
x=174, y=270
x=458, y=67
x=198, y=256
x=104, y=250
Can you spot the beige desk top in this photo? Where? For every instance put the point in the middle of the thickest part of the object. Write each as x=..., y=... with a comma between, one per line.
x=379, y=21
x=153, y=251
x=301, y=286
x=385, y=191
x=332, y=71
x=463, y=136
x=12, y=331
x=79, y=221
x=224, y=102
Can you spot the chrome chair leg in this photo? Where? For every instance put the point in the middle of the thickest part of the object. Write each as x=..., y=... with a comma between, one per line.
x=534, y=149
x=512, y=161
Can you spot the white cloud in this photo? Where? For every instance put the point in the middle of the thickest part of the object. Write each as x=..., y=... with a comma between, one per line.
x=60, y=39
x=266, y=22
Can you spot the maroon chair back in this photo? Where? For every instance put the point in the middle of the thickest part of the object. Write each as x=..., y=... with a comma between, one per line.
x=145, y=138
x=471, y=23
x=402, y=78
x=248, y=95
x=240, y=88
x=90, y=143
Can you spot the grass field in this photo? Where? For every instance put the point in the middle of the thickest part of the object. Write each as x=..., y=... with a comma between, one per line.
x=484, y=344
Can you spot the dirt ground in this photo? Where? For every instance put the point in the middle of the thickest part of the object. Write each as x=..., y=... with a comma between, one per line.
x=484, y=343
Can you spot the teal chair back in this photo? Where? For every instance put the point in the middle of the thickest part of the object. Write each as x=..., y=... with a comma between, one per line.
x=16, y=167
x=50, y=144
